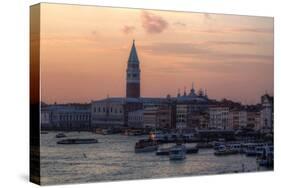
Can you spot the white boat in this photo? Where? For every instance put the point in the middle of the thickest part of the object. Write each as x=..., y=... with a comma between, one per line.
x=163, y=151
x=178, y=152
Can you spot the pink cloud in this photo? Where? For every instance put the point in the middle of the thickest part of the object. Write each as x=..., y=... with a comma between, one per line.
x=128, y=29
x=153, y=23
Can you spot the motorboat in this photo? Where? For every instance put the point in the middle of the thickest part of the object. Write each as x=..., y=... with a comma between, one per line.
x=178, y=152
x=146, y=146
x=60, y=135
x=163, y=151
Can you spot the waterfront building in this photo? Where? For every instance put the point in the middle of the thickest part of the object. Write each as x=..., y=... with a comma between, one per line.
x=203, y=120
x=190, y=108
x=242, y=118
x=113, y=112
x=266, y=112
x=66, y=117
x=45, y=118
x=245, y=117
x=135, y=119
x=253, y=117
x=164, y=117
x=158, y=116
x=237, y=118
x=219, y=117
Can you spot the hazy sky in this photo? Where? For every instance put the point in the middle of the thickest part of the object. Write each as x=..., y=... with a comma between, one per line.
x=84, y=53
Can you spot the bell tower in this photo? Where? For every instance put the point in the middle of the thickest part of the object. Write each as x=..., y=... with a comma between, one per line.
x=133, y=74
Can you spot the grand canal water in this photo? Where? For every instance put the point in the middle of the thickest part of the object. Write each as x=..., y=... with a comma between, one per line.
x=113, y=158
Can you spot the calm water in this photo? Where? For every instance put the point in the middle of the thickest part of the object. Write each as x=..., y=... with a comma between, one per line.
x=113, y=158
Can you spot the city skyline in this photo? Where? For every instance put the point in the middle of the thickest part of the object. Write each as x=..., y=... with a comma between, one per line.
x=230, y=57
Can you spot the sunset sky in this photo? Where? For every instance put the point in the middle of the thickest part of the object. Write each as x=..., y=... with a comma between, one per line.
x=84, y=53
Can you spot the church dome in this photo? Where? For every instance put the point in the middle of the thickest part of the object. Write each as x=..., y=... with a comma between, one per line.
x=192, y=97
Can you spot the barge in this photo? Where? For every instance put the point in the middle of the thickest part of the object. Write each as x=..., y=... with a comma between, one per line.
x=78, y=141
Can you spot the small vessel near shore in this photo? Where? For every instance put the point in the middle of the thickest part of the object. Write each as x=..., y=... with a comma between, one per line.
x=177, y=152
x=266, y=159
x=190, y=150
x=223, y=150
x=146, y=146
x=253, y=149
x=60, y=135
x=204, y=145
x=78, y=141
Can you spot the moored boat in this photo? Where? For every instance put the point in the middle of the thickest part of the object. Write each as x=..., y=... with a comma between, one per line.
x=78, y=141
x=204, y=145
x=223, y=150
x=253, y=149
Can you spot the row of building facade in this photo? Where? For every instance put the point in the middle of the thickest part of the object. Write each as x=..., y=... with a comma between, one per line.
x=186, y=111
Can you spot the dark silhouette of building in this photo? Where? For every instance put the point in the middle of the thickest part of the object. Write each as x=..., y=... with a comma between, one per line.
x=133, y=74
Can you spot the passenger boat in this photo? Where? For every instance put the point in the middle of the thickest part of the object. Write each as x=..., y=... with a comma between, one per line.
x=146, y=146
x=78, y=141
x=178, y=152
x=235, y=147
x=253, y=149
x=60, y=135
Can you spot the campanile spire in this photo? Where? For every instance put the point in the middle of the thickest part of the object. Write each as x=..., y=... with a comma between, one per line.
x=133, y=74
